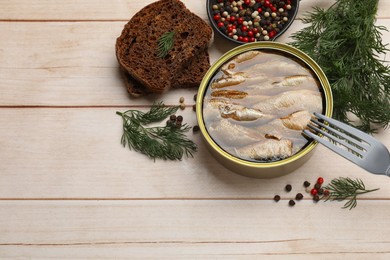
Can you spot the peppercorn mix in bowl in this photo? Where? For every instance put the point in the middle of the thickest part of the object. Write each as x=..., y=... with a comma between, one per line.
x=254, y=103
x=243, y=21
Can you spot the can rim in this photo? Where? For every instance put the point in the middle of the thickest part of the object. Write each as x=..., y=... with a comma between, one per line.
x=281, y=47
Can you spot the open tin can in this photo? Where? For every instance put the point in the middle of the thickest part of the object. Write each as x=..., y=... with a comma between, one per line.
x=253, y=167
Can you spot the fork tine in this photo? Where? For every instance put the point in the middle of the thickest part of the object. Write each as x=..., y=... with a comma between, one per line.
x=355, y=141
x=347, y=155
x=334, y=138
x=349, y=129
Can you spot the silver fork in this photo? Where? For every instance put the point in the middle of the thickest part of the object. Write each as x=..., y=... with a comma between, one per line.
x=351, y=143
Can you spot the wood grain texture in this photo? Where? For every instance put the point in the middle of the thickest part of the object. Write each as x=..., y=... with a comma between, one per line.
x=116, y=10
x=78, y=67
x=184, y=229
x=69, y=190
x=62, y=153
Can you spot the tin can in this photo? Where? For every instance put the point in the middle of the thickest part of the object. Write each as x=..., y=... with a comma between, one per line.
x=260, y=169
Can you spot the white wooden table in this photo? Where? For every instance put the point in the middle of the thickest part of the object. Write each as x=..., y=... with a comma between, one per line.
x=68, y=189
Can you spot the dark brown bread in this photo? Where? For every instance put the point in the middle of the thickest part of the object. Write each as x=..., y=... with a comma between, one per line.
x=191, y=76
x=136, y=47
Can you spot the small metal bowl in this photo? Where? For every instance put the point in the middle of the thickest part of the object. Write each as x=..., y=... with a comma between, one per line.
x=253, y=168
x=291, y=17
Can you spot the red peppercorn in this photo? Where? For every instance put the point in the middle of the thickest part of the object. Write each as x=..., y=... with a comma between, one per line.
x=247, y=2
x=232, y=18
x=252, y=39
x=320, y=180
x=245, y=39
x=255, y=30
x=220, y=24
x=271, y=34
x=240, y=38
x=240, y=20
x=217, y=17
x=244, y=28
x=313, y=192
x=259, y=9
x=326, y=192
x=273, y=8
x=250, y=34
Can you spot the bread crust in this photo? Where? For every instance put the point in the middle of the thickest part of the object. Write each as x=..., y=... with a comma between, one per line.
x=136, y=46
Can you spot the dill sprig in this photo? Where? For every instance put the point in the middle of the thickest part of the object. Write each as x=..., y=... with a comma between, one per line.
x=168, y=142
x=165, y=44
x=347, y=44
x=346, y=189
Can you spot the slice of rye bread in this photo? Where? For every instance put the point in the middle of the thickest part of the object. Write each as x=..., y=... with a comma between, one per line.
x=136, y=47
x=191, y=76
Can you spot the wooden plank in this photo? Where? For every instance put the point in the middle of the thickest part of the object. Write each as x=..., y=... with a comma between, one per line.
x=63, y=153
x=78, y=66
x=116, y=10
x=185, y=229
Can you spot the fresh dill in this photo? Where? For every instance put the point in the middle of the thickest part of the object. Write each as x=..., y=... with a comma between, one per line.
x=347, y=44
x=168, y=142
x=346, y=189
x=165, y=44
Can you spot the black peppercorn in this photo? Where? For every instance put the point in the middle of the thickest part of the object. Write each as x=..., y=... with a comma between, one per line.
x=288, y=187
x=195, y=128
x=170, y=123
x=299, y=196
x=317, y=186
x=316, y=198
x=306, y=184
x=172, y=118
x=291, y=202
x=179, y=118
x=320, y=191
x=276, y=198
